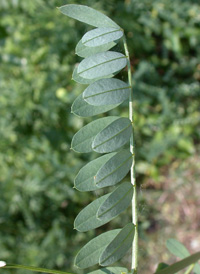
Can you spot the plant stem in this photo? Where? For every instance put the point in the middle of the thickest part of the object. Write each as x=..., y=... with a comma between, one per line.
x=134, y=266
x=37, y=269
x=188, y=271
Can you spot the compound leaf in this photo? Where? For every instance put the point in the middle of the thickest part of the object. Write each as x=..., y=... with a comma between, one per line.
x=84, y=180
x=106, y=92
x=87, y=15
x=101, y=36
x=116, y=202
x=112, y=137
x=119, y=246
x=90, y=253
x=114, y=170
x=101, y=65
x=82, y=140
x=81, y=108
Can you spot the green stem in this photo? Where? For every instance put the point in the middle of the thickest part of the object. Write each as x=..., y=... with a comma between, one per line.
x=133, y=179
x=37, y=269
x=188, y=271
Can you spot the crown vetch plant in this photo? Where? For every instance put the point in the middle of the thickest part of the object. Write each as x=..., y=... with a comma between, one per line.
x=109, y=137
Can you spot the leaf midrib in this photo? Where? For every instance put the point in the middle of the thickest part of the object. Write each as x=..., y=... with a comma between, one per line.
x=115, y=203
x=122, y=57
x=118, y=246
x=112, y=136
x=100, y=35
x=106, y=91
x=114, y=170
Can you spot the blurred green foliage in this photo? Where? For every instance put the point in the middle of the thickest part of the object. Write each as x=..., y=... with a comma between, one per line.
x=37, y=200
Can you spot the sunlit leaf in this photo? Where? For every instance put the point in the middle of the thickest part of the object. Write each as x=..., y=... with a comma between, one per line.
x=101, y=36
x=82, y=140
x=112, y=137
x=90, y=253
x=106, y=92
x=119, y=246
x=116, y=202
x=101, y=64
x=84, y=181
x=114, y=170
x=87, y=15
x=81, y=108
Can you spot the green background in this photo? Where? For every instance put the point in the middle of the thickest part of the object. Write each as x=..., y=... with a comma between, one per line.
x=37, y=201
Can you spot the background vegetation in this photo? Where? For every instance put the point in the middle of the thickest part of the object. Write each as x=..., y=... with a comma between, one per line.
x=37, y=200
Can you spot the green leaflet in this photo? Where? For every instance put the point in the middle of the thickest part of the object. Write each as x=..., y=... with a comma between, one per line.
x=87, y=218
x=116, y=202
x=83, y=51
x=81, y=108
x=90, y=253
x=88, y=15
x=84, y=181
x=106, y=92
x=112, y=137
x=101, y=36
x=82, y=140
x=197, y=268
x=114, y=170
x=179, y=250
x=110, y=270
x=77, y=78
x=119, y=246
x=101, y=65
x=174, y=268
